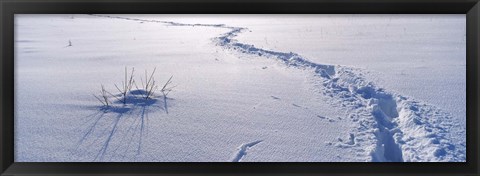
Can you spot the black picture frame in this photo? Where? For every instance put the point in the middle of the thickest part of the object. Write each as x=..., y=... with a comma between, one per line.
x=10, y=7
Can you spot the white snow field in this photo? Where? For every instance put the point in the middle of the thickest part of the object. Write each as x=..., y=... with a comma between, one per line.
x=248, y=88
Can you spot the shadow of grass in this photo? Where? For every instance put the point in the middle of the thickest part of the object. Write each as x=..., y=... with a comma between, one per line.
x=126, y=124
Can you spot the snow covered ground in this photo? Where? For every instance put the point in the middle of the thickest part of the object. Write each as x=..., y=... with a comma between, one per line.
x=249, y=88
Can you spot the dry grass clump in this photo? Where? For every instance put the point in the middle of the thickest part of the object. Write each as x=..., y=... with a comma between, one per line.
x=103, y=98
x=149, y=86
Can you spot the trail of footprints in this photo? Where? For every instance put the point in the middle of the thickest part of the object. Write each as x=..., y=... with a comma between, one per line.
x=387, y=123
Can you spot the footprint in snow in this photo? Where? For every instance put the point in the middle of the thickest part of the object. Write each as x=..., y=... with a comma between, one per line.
x=344, y=143
x=274, y=97
x=323, y=117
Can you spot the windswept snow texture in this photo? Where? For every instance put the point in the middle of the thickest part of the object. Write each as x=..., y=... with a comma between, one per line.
x=249, y=88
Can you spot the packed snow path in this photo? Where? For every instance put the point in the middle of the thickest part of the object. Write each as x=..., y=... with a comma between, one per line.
x=389, y=127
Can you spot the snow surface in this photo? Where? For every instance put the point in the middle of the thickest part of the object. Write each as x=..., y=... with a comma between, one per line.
x=316, y=88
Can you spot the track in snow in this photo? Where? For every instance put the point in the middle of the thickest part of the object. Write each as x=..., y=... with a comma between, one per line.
x=390, y=127
x=242, y=150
